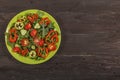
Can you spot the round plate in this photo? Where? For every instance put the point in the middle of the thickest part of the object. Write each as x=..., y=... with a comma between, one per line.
x=27, y=60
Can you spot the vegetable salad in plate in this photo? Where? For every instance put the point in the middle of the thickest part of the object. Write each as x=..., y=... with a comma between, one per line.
x=33, y=35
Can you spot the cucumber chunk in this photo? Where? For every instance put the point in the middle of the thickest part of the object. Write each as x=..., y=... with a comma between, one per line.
x=37, y=26
x=23, y=32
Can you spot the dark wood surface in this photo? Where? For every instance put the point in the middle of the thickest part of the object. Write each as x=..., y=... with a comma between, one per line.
x=90, y=48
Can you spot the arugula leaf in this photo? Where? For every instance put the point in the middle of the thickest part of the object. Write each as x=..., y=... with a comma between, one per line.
x=46, y=30
x=17, y=42
x=51, y=25
x=43, y=30
x=39, y=58
x=27, y=34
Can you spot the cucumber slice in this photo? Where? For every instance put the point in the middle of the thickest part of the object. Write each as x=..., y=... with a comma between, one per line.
x=23, y=32
x=37, y=26
x=32, y=54
x=19, y=25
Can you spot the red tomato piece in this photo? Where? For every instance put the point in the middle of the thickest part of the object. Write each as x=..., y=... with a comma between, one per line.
x=36, y=40
x=33, y=32
x=24, y=42
x=39, y=52
x=45, y=20
x=30, y=19
x=51, y=47
x=24, y=52
x=13, y=35
x=28, y=26
x=41, y=42
x=16, y=49
x=13, y=39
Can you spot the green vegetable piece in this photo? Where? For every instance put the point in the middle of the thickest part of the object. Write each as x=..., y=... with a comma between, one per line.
x=39, y=58
x=19, y=25
x=43, y=30
x=51, y=25
x=40, y=14
x=37, y=26
x=32, y=47
x=32, y=54
x=46, y=31
x=23, y=31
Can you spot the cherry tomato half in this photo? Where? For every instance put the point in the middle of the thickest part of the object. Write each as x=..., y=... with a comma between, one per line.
x=41, y=42
x=24, y=42
x=51, y=47
x=33, y=32
x=36, y=41
x=16, y=49
x=24, y=52
x=28, y=26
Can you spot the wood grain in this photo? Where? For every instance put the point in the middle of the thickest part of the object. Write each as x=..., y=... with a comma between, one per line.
x=90, y=48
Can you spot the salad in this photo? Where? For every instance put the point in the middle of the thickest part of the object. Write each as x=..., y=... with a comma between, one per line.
x=33, y=35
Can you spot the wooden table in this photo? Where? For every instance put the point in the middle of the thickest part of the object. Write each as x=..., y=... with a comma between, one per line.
x=90, y=48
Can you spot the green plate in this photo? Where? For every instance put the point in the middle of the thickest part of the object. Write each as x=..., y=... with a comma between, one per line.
x=27, y=60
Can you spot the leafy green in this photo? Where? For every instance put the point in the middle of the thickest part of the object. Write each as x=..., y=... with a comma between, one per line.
x=43, y=30
x=46, y=31
x=39, y=58
x=27, y=34
x=17, y=42
x=25, y=22
x=40, y=14
x=23, y=32
x=51, y=26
